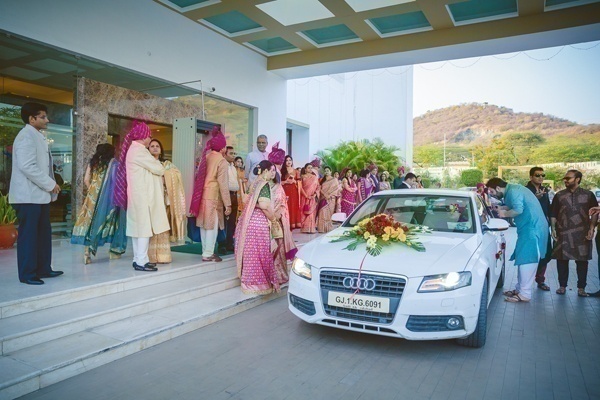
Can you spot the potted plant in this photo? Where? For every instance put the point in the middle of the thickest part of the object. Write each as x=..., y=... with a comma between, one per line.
x=8, y=217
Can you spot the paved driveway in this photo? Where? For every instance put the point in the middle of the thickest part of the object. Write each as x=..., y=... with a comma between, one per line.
x=546, y=349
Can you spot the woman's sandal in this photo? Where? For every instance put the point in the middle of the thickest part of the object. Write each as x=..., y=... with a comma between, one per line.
x=516, y=299
x=582, y=293
x=561, y=290
x=511, y=293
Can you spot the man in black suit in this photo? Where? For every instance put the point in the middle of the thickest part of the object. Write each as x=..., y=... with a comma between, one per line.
x=408, y=182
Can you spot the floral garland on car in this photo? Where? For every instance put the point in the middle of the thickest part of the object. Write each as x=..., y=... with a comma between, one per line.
x=382, y=230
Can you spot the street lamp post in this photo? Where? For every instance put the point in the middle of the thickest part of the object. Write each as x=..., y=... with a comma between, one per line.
x=444, y=150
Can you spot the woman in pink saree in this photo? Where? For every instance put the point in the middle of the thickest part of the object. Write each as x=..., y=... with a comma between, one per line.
x=253, y=255
x=365, y=186
x=330, y=188
x=349, y=190
x=308, y=200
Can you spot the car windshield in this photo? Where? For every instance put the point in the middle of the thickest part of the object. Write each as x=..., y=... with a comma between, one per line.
x=441, y=213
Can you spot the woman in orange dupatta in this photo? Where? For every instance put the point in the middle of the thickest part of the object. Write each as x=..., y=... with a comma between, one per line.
x=308, y=200
x=253, y=254
x=330, y=189
x=159, y=249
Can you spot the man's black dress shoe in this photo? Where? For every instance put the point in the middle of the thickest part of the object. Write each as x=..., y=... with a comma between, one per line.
x=33, y=281
x=52, y=274
x=145, y=267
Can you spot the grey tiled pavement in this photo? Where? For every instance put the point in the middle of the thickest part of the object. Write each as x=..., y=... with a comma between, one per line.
x=546, y=349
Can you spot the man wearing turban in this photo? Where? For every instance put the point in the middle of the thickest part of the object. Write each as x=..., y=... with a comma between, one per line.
x=139, y=189
x=211, y=194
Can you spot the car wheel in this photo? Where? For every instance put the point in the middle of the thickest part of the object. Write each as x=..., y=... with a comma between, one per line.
x=477, y=338
x=500, y=283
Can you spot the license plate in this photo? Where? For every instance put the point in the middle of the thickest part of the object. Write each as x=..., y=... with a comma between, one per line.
x=359, y=302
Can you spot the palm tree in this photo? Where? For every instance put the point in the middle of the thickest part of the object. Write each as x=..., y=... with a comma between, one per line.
x=359, y=154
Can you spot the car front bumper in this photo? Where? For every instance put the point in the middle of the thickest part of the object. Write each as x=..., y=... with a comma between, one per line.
x=430, y=310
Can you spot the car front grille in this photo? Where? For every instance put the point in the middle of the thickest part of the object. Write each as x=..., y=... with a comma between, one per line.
x=385, y=286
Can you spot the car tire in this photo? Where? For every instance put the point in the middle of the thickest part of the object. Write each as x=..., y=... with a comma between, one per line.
x=500, y=283
x=477, y=338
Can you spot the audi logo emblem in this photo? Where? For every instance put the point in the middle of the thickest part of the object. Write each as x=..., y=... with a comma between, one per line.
x=359, y=283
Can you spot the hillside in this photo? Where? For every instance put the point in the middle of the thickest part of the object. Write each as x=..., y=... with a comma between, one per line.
x=475, y=123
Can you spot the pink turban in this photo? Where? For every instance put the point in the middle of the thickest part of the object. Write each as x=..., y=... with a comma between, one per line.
x=216, y=143
x=277, y=155
x=139, y=131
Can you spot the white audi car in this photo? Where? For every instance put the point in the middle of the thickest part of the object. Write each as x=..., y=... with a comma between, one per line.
x=441, y=293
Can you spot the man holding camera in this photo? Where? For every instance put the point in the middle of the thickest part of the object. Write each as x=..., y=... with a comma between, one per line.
x=535, y=184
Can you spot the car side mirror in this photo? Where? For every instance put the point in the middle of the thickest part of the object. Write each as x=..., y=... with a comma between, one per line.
x=338, y=217
x=495, y=225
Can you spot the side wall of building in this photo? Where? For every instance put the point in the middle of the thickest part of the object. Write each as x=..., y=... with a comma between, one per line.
x=355, y=106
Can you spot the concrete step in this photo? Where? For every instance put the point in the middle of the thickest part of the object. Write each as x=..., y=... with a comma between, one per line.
x=36, y=327
x=28, y=369
x=42, y=302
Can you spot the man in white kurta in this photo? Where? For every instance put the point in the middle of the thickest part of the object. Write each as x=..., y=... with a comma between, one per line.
x=146, y=213
x=255, y=157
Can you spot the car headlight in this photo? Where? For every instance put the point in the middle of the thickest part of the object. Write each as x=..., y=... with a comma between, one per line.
x=302, y=269
x=445, y=282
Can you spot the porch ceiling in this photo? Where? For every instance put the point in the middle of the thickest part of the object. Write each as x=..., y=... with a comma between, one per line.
x=310, y=37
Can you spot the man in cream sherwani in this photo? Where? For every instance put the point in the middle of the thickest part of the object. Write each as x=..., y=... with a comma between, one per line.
x=146, y=212
x=32, y=188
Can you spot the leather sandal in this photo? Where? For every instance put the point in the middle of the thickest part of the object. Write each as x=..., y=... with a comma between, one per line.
x=516, y=299
x=582, y=293
x=214, y=258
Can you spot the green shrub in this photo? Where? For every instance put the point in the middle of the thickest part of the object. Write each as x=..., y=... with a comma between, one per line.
x=471, y=177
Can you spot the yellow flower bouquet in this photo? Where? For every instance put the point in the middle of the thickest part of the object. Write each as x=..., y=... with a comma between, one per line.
x=382, y=230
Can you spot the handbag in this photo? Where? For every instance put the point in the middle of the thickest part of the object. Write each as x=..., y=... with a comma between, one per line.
x=276, y=230
x=193, y=232
x=306, y=209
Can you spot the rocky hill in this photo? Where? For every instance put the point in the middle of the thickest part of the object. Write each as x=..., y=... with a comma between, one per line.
x=475, y=123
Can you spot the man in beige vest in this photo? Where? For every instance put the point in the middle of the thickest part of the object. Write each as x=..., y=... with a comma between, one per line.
x=214, y=195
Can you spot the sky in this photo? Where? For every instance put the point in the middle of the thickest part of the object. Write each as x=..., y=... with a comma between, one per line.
x=566, y=84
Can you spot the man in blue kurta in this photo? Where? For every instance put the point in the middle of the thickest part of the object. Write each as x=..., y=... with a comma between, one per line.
x=532, y=233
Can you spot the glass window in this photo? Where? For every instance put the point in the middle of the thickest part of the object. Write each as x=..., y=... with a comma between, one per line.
x=438, y=212
x=60, y=142
x=235, y=120
x=118, y=126
x=482, y=210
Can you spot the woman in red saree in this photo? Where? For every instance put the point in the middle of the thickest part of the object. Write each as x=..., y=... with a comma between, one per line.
x=349, y=190
x=283, y=245
x=289, y=181
x=308, y=200
x=253, y=255
x=329, y=191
